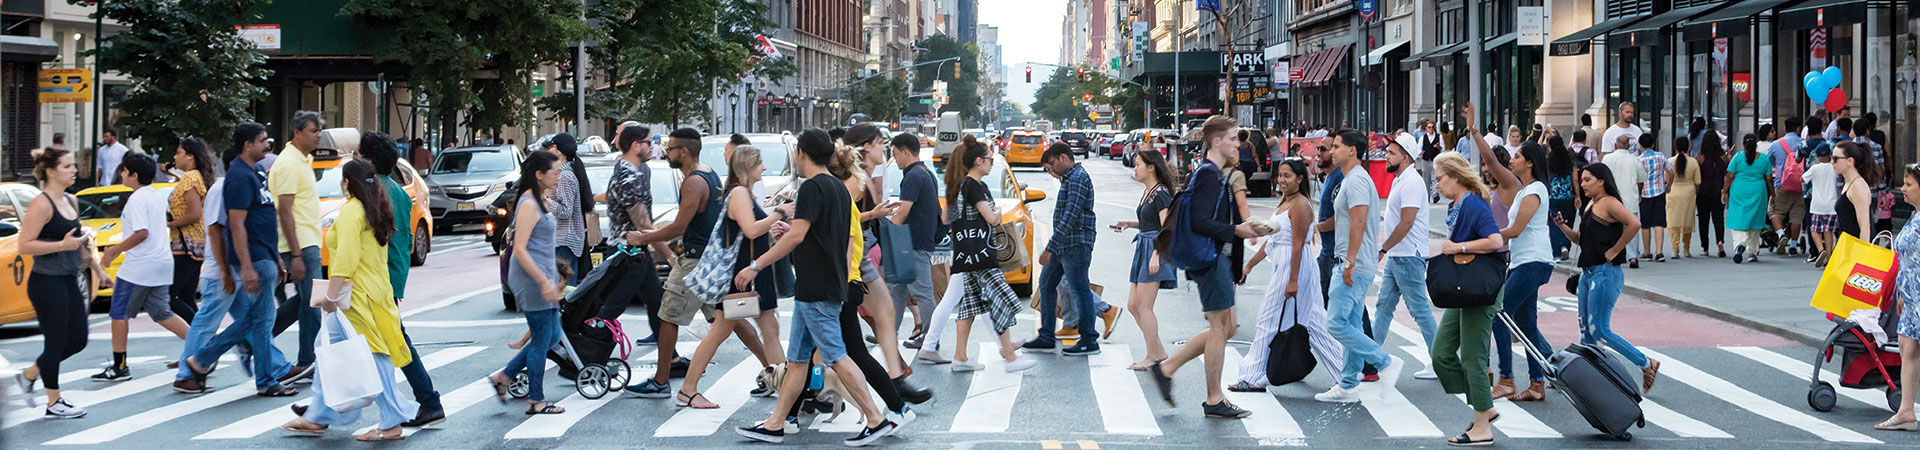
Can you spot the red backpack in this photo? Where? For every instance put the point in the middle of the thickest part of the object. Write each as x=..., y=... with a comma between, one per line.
x=1791, y=170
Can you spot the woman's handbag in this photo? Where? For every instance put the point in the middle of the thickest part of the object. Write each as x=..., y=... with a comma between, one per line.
x=1466, y=280
x=1290, y=355
x=744, y=305
x=352, y=378
x=896, y=258
x=713, y=276
x=1010, y=248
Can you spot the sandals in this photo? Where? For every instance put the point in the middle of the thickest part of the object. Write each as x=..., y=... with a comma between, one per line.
x=380, y=435
x=681, y=399
x=1464, y=441
x=322, y=429
x=544, y=408
x=1890, y=425
x=1142, y=366
x=499, y=388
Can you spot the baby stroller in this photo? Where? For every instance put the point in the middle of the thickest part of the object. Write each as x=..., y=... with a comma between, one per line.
x=587, y=343
x=1864, y=364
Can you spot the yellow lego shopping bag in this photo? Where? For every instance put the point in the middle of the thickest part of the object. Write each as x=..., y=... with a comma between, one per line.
x=1858, y=276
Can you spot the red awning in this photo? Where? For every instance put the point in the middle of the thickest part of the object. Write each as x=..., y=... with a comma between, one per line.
x=1324, y=64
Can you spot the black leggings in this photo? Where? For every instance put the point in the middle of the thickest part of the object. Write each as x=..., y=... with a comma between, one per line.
x=185, y=291
x=62, y=312
x=1713, y=219
x=856, y=344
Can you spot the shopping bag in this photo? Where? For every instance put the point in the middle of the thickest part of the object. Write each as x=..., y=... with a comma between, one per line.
x=348, y=374
x=896, y=257
x=1009, y=246
x=1857, y=275
x=713, y=275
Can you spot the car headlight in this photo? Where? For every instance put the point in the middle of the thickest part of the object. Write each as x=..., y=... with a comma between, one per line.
x=497, y=188
x=327, y=220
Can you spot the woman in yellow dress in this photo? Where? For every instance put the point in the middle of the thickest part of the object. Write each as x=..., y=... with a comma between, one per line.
x=1685, y=174
x=357, y=244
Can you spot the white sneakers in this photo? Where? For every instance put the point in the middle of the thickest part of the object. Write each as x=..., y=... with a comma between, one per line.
x=1021, y=364
x=1338, y=395
x=1389, y=374
x=1426, y=375
x=968, y=366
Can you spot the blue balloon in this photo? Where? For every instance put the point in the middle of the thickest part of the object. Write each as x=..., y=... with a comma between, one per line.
x=1816, y=89
x=1812, y=81
x=1832, y=77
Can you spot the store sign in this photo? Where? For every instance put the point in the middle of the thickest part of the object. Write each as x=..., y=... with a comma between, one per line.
x=1366, y=10
x=1280, y=82
x=1720, y=62
x=263, y=37
x=1140, y=41
x=1245, y=62
x=1199, y=111
x=66, y=85
x=1743, y=86
x=1531, y=24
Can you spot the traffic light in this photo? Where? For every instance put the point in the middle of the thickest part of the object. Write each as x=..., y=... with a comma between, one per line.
x=956, y=71
x=1029, y=74
x=1083, y=74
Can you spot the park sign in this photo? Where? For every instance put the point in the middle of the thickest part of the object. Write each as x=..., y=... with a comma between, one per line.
x=1245, y=63
x=1366, y=10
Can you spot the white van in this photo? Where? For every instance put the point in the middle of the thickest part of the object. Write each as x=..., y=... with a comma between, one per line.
x=946, y=136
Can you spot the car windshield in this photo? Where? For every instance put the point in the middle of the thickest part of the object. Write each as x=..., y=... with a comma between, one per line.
x=1026, y=140
x=773, y=154
x=473, y=161
x=665, y=191
x=329, y=184
x=999, y=181
x=107, y=205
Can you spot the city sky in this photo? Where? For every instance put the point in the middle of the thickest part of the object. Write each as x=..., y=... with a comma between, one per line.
x=1029, y=31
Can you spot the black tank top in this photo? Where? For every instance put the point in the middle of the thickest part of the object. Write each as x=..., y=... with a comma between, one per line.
x=58, y=227
x=1848, y=217
x=699, y=229
x=1596, y=237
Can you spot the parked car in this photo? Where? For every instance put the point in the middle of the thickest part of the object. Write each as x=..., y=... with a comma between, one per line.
x=463, y=181
x=1116, y=147
x=100, y=211
x=14, y=307
x=331, y=200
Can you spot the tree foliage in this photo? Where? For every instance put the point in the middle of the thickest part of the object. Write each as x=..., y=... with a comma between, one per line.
x=659, y=60
x=474, y=56
x=881, y=98
x=963, y=92
x=1063, y=98
x=191, y=75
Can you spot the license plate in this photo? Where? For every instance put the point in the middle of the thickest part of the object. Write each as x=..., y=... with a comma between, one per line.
x=466, y=206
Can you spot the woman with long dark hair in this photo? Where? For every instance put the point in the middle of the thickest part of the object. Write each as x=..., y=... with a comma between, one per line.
x=1606, y=227
x=358, y=244
x=535, y=281
x=1708, y=204
x=1685, y=175
x=1749, y=182
x=1293, y=292
x=1561, y=162
x=1149, y=274
x=51, y=234
x=1855, y=206
x=979, y=292
x=187, y=235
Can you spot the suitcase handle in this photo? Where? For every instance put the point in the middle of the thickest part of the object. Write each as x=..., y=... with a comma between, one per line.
x=1528, y=344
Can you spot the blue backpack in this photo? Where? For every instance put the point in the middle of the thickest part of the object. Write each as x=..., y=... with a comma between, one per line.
x=1189, y=250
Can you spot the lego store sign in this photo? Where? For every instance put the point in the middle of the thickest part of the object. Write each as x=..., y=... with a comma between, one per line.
x=1743, y=86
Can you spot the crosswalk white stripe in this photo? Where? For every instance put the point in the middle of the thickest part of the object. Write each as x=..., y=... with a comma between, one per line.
x=273, y=417
x=1397, y=416
x=577, y=407
x=989, y=404
x=1802, y=369
x=729, y=391
x=1742, y=398
x=1515, y=422
x=1270, y=422
x=1663, y=417
x=91, y=398
x=458, y=247
x=449, y=301
x=1123, y=404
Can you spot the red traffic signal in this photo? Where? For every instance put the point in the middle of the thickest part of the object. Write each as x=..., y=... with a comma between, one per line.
x=1083, y=74
x=1029, y=74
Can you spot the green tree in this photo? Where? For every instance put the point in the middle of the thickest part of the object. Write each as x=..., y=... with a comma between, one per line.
x=963, y=92
x=1064, y=99
x=191, y=74
x=474, y=56
x=659, y=60
x=881, y=98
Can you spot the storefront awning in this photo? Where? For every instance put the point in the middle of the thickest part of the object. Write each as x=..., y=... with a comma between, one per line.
x=1823, y=13
x=1734, y=20
x=1647, y=32
x=1580, y=42
x=1379, y=55
x=1430, y=54
x=1504, y=39
x=28, y=48
x=1324, y=64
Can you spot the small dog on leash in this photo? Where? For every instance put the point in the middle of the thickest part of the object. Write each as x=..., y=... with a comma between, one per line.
x=827, y=400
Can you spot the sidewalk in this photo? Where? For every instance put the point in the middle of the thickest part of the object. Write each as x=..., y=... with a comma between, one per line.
x=1769, y=295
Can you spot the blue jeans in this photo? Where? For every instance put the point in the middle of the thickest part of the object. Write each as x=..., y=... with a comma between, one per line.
x=1345, y=304
x=920, y=291
x=417, y=378
x=1069, y=268
x=544, y=332
x=1406, y=276
x=253, y=312
x=578, y=262
x=1599, y=290
x=300, y=308
x=394, y=408
x=213, y=303
x=1520, y=300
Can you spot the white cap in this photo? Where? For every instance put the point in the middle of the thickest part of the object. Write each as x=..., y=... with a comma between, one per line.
x=1407, y=143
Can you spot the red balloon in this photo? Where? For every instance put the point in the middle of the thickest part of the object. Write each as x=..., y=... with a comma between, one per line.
x=1836, y=99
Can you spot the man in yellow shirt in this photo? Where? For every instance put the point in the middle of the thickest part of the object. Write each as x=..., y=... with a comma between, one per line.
x=298, y=207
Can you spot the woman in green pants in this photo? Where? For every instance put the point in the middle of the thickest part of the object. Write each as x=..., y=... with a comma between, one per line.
x=1462, y=341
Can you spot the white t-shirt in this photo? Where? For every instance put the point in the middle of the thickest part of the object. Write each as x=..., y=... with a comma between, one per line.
x=213, y=210
x=1628, y=174
x=109, y=163
x=1531, y=245
x=1632, y=132
x=1494, y=140
x=1409, y=191
x=149, y=263
x=1826, y=189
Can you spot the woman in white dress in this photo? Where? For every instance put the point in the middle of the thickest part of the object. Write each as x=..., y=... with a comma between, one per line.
x=1293, y=292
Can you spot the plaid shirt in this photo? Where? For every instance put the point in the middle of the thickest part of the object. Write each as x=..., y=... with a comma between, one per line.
x=1073, y=227
x=1657, y=166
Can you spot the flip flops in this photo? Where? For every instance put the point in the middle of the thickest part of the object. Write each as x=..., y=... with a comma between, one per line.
x=544, y=408
x=499, y=389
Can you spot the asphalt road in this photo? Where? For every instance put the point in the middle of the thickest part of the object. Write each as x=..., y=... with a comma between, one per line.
x=1722, y=386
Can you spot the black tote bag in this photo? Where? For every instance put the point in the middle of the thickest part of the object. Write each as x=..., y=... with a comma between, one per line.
x=1290, y=355
x=1466, y=280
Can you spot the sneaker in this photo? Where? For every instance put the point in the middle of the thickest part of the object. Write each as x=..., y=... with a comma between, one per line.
x=902, y=417
x=678, y=369
x=913, y=343
x=1660, y=257
x=1021, y=364
x=1106, y=321
x=1338, y=395
x=1633, y=263
x=910, y=393
x=650, y=340
x=1068, y=332
x=1391, y=372
x=969, y=366
x=874, y=433
x=1753, y=257
x=1739, y=253
x=1082, y=349
x=113, y=374
x=190, y=386
x=1369, y=378
x=760, y=389
x=1043, y=345
x=63, y=410
x=1426, y=375
x=426, y=418
x=1224, y=410
x=649, y=389
x=296, y=373
x=762, y=434
x=930, y=357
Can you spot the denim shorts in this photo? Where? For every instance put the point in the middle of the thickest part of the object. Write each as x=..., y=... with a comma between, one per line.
x=816, y=326
x=1142, y=256
x=1216, y=284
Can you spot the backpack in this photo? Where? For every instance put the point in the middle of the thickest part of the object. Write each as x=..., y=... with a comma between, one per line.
x=1187, y=249
x=1792, y=170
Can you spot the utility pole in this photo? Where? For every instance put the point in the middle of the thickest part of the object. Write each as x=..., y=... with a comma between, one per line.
x=99, y=20
x=1475, y=64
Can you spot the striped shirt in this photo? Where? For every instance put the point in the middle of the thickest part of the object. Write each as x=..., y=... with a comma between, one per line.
x=1657, y=166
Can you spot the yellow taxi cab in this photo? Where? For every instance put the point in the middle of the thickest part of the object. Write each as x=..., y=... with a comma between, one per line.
x=14, y=307
x=1025, y=148
x=326, y=166
x=100, y=208
x=1010, y=196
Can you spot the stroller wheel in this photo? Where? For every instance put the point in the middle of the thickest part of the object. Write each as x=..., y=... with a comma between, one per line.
x=1893, y=398
x=618, y=372
x=592, y=382
x=1822, y=397
x=518, y=388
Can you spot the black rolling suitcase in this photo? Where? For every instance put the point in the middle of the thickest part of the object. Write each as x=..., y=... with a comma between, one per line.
x=1595, y=380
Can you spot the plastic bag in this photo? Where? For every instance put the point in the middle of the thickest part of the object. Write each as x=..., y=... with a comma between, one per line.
x=346, y=368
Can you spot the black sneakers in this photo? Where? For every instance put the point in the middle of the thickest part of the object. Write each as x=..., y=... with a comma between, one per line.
x=874, y=433
x=761, y=433
x=1224, y=410
x=1082, y=349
